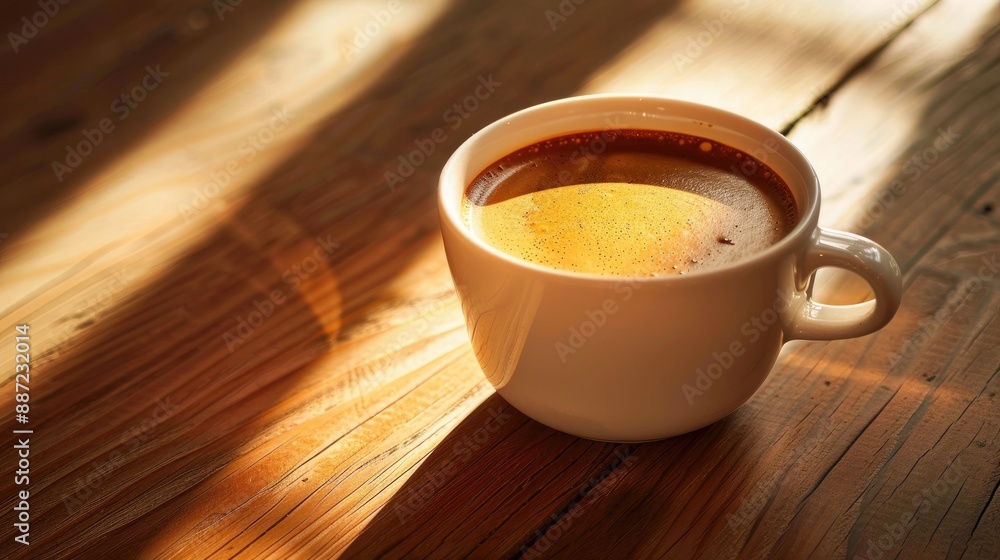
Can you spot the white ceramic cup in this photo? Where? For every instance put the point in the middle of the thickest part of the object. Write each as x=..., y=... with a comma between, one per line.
x=636, y=359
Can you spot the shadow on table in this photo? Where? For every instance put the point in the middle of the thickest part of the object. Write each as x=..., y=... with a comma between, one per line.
x=72, y=74
x=501, y=485
x=497, y=469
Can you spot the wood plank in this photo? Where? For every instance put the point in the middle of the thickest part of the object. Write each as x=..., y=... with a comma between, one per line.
x=790, y=54
x=867, y=170
x=303, y=437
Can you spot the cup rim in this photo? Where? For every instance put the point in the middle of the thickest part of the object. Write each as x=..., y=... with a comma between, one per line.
x=452, y=179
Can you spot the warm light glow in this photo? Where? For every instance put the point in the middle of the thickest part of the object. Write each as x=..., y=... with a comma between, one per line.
x=693, y=55
x=175, y=183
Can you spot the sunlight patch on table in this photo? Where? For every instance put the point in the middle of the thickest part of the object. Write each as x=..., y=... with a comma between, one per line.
x=187, y=178
x=800, y=50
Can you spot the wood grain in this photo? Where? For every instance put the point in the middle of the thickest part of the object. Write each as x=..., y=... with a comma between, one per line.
x=352, y=419
x=861, y=448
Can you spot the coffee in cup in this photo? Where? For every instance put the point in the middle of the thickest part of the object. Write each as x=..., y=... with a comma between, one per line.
x=647, y=203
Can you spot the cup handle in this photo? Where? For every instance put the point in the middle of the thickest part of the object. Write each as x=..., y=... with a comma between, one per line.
x=810, y=320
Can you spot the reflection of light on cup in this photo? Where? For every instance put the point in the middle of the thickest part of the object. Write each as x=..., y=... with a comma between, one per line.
x=499, y=325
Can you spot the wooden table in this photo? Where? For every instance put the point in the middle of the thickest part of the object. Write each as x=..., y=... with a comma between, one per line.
x=244, y=343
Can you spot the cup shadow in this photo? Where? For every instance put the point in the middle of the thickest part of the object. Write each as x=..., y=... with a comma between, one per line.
x=502, y=470
x=509, y=468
